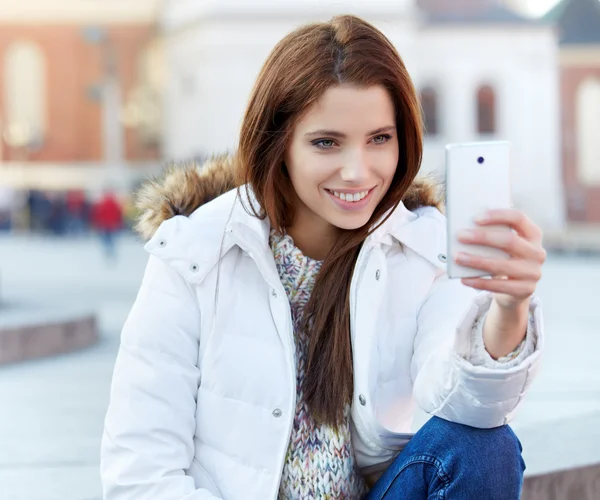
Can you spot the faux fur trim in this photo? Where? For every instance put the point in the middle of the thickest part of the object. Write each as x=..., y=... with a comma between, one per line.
x=181, y=189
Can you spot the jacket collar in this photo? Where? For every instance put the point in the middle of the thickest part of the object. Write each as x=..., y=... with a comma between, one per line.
x=193, y=245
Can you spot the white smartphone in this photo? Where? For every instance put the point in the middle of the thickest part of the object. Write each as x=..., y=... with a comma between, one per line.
x=477, y=180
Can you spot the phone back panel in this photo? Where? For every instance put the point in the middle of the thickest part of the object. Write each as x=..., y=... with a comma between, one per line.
x=472, y=188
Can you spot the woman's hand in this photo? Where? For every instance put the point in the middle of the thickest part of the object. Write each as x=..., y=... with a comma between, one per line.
x=514, y=279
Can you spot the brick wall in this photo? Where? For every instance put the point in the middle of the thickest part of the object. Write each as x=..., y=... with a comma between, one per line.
x=74, y=129
x=583, y=202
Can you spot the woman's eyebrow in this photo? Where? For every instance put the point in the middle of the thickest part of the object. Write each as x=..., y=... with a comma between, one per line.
x=340, y=135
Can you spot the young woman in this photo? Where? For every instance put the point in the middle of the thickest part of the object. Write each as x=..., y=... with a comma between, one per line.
x=285, y=330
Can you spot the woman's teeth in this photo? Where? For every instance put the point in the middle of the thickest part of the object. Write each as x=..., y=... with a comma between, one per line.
x=352, y=197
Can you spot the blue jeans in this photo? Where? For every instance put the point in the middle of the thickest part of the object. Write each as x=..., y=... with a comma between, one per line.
x=451, y=461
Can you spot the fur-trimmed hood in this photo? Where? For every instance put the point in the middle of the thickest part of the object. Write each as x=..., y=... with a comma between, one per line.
x=182, y=188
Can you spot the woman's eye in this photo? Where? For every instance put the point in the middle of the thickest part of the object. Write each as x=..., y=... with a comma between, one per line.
x=324, y=143
x=381, y=139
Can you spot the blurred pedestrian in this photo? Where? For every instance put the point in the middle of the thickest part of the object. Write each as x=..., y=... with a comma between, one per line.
x=57, y=215
x=76, y=212
x=39, y=206
x=6, y=208
x=107, y=219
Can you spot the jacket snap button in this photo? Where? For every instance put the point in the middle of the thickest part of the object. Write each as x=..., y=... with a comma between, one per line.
x=274, y=293
x=377, y=274
x=162, y=243
x=442, y=257
x=194, y=268
x=362, y=400
x=277, y=413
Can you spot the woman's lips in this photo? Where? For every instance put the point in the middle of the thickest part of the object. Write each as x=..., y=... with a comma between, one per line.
x=352, y=205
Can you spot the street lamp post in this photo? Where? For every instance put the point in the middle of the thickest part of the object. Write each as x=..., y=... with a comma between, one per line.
x=112, y=132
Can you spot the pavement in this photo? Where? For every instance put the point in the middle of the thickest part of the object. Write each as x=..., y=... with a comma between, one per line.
x=52, y=410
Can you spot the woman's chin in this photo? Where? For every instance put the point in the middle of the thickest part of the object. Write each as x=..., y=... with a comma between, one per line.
x=350, y=222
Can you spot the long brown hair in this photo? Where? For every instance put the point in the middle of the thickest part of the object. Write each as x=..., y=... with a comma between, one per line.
x=301, y=67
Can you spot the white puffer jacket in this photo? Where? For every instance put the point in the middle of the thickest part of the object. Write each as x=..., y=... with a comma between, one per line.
x=203, y=392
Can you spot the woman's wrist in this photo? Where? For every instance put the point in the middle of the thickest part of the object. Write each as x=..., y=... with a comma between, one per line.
x=505, y=327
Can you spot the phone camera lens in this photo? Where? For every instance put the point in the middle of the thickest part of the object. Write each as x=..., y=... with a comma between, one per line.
x=480, y=160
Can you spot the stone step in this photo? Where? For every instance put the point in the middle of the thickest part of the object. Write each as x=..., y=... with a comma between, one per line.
x=30, y=332
x=581, y=483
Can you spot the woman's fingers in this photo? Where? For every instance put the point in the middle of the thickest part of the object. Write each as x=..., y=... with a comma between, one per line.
x=503, y=239
x=518, y=269
x=515, y=219
x=517, y=289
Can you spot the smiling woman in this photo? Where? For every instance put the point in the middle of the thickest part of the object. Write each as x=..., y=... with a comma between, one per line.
x=296, y=307
x=340, y=147
x=325, y=117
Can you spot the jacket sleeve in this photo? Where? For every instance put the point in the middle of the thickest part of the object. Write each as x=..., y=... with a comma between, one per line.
x=446, y=381
x=147, y=442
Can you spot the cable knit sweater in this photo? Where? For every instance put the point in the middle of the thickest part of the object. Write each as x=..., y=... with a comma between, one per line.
x=320, y=460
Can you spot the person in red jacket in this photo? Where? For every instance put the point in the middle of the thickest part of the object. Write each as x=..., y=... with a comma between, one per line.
x=107, y=219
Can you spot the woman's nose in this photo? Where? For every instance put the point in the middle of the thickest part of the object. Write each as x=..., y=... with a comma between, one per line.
x=355, y=168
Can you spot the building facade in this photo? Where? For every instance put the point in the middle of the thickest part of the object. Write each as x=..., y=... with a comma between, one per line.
x=483, y=72
x=578, y=27
x=78, y=82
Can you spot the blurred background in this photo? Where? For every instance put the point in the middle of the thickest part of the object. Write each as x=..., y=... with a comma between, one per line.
x=97, y=95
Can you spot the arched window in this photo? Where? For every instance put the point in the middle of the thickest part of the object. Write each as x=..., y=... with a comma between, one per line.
x=143, y=110
x=24, y=95
x=151, y=65
x=430, y=109
x=486, y=110
x=588, y=135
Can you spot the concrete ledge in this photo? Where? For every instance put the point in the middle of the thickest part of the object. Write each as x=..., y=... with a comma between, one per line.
x=581, y=483
x=575, y=238
x=46, y=338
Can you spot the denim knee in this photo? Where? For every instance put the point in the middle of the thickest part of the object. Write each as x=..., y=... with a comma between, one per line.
x=490, y=458
x=449, y=460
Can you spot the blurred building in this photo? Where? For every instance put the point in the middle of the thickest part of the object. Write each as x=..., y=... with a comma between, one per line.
x=483, y=72
x=80, y=86
x=578, y=26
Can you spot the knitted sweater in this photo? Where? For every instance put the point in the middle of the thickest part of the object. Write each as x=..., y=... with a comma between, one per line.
x=320, y=461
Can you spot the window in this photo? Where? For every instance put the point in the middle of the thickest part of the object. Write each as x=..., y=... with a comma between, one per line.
x=429, y=106
x=143, y=110
x=486, y=110
x=588, y=136
x=24, y=95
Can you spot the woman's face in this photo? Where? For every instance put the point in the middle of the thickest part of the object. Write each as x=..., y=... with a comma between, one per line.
x=343, y=155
